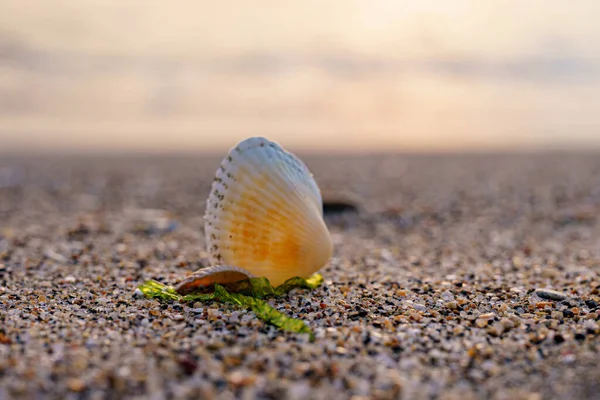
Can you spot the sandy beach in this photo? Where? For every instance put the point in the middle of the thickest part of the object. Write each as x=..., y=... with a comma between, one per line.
x=457, y=277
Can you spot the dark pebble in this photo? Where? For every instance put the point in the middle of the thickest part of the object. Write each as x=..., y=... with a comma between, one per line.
x=549, y=294
x=592, y=304
x=559, y=339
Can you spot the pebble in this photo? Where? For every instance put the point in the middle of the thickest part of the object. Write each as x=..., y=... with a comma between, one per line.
x=76, y=384
x=447, y=296
x=452, y=305
x=551, y=294
x=419, y=307
x=481, y=323
x=557, y=315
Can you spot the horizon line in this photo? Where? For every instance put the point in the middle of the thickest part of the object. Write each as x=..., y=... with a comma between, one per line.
x=143, y=153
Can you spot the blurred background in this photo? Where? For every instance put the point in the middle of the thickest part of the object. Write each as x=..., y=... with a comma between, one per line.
x=146, y=76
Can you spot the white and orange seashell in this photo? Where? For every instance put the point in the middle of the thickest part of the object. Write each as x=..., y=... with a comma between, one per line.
x=264, y=217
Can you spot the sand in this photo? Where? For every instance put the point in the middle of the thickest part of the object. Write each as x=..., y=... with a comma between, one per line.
x=472, y=277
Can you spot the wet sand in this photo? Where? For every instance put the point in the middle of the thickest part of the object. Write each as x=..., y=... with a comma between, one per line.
x=458, y=277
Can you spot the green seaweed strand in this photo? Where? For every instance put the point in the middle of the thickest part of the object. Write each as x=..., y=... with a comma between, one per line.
x=250, y=295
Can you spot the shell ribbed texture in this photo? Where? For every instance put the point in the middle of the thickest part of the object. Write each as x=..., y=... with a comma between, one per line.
x=264, y=214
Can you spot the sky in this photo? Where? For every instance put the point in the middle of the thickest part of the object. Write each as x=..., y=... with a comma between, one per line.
x=338, y=76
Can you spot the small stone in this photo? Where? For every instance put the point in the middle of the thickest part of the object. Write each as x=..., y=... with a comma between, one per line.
x=452, y=305
x=490, y=367
x=550, y=294
x=559, y=338
x=591, y=326
x=419, y=307
x=516, y=320
x=481, y=323
x=592, y=304
x=592, y=315
x=550, y=323
x=76, y=384
x=544, y=304
x=238, y=378
x=4, y=339
x=188, y=364
x=298, y=391
x=507, y=324
x=447, y=296
x=495, y=330
x=557, y=315
x=458, y=329
x=415, y=316
x=54, y=256
x=569, y=358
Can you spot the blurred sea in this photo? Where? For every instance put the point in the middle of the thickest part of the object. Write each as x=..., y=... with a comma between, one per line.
x=346, y=76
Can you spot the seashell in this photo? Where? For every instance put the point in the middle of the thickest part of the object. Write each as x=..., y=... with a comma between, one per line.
x=207, y=277
x=264, y=217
